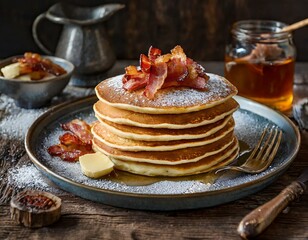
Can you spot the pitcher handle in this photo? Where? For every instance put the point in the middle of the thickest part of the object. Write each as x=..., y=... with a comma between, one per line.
x=35, y=34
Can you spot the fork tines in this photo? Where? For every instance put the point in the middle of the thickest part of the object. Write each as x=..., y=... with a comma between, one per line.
x=270, y=136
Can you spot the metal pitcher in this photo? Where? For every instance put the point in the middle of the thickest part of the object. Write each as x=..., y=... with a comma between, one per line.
x=83, y=40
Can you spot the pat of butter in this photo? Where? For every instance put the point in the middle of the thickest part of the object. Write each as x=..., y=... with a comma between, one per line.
x=11, y=71
x=95, y=165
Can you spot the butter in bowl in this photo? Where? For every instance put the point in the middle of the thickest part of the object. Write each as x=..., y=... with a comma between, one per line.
x=33, y=80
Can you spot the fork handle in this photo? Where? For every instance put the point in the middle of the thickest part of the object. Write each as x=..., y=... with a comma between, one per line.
x=260, y=218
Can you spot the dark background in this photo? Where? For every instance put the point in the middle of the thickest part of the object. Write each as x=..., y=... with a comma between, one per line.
x=200, y=26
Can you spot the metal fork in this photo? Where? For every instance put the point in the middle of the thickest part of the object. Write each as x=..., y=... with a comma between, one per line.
x=262, y=155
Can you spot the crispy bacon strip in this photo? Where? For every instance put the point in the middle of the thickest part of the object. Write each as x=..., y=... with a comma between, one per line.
x=75, y=143
x=37, y=66
x=68, y=153
x=70, y=139
x=161, y=71
x=145, y=63
x=136, y=83
x=131, y=72
x=156, y=80
x=154, y=53
x=81, y=129
x=178, y=52
x=177, y=70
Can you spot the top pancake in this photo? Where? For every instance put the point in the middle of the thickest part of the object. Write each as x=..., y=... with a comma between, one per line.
x=174, y=100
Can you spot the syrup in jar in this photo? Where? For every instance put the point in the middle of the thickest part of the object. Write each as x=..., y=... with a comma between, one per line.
x=259, y=61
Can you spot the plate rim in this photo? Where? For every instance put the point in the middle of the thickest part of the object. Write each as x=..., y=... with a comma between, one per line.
x=88, y=99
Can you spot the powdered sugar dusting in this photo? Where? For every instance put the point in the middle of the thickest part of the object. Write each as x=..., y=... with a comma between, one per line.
x=16, y=121
x=217, y=88
x=256, y=125
x=28, y=177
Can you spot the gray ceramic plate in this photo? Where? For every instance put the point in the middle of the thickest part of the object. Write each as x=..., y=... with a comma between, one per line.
x=132, y=191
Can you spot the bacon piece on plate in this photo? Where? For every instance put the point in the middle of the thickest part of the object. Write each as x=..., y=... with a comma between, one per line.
x=139, y=81
x=130, y=72
x=177, y=70
x=68, y=153
x=156, y=80
x=193, y=77
x=70, y=139
x=71, y=156
x=154, y=53
x=55, y=150
x=81, y=129
x=178, y=52
x=75, y=143
x=145, y=63
x=135, y=79
x=163, y=58
x=161, y=71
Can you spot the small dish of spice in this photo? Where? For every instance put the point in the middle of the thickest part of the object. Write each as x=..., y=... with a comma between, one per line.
x=33, y=80
x=33, y=208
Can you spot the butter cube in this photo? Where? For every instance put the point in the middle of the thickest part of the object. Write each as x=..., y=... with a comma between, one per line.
x=95, y=165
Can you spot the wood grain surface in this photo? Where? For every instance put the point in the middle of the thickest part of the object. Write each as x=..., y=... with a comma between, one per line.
x=83, y=219
x=201, y=27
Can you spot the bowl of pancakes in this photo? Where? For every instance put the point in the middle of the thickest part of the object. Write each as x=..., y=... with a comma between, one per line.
x=33, y=80
x=167, y=117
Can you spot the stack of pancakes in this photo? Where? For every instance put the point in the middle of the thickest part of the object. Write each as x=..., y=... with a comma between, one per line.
x=182, y=131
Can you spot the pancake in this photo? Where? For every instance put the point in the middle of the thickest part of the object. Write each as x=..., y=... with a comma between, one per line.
x=174, y=157
x=173, y=131
x=101, y=133
x=204, y=165
x=163, y=134
x=167, y=101
x=171, y=121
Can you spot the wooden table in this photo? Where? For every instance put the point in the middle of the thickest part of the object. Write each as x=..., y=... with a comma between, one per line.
x=83, y=219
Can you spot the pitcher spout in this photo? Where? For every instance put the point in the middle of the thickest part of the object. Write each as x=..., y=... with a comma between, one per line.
x=65, y=13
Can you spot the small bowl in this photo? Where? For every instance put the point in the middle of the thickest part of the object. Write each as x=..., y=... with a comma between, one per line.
x=38, y=93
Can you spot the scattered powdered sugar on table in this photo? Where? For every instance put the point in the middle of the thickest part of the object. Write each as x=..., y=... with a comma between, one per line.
x=16, y=121
x=28, y=177
x=14, y=124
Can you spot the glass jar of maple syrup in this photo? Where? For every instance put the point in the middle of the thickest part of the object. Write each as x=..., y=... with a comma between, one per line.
x=259, y=61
